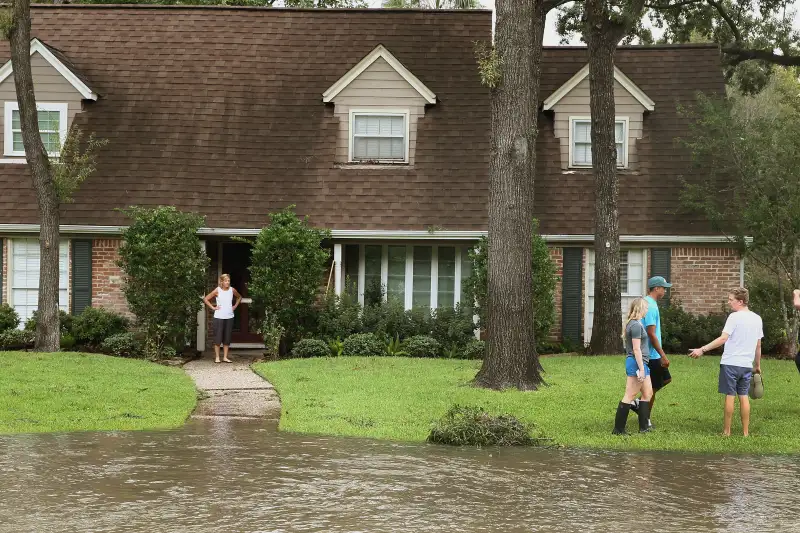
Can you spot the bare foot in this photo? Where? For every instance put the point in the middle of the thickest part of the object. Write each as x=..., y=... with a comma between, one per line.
x=217, y=361
x=227, y=361
x=726, y=434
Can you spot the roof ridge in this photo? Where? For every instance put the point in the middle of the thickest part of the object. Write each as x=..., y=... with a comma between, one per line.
x=641, y=46
x=252, y=8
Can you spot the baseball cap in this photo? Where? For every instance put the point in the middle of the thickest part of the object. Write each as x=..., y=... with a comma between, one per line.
x=657, y=281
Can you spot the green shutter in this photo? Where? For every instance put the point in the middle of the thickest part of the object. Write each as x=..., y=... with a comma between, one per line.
x=660, y=266
x=81, y=275
x=1, y=270
x=572, y=295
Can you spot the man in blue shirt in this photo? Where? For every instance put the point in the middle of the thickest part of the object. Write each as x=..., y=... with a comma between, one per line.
x=659, y=364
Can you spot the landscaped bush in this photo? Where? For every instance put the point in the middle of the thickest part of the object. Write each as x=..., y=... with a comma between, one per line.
x=311, y=348
x=387, y=320
x=9, y=319
x=453, y=327
x=339, y=317
x=64, y=321
x=15, y=339
x=67, y=342
x=475, y=349
x=95, y=324
x=544, y=283
x=363, y=344
x=122, y=345
x=681, y=331
x=422, y=346
x=472, y=426
x=765, y=299
x=287, y=264
x=165, y=275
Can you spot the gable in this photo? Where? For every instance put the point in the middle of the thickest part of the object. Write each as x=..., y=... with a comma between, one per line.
x=582, y=78
x=375, y=64
x=58, y=62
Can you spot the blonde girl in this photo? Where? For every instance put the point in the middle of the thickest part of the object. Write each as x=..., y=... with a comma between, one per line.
x=636, y=368
x=223, y=315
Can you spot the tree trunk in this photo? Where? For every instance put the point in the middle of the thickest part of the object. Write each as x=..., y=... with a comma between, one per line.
x=511, y=359
x=602, y=44
x=47, y=329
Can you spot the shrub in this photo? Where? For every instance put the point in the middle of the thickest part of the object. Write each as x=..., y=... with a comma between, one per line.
x=272, y=333
x=9, y=319
x=422, y=346
x=472, y=426
x=363, y=344
x=64, y=321
x=544, y=283
x=67, y=342
x=165, y=274
x=122, y=345
x=682, y=331
x=311, y=348
x=288, y=262
x=474, y=350
x=336, y=347
x=339, y=317
x=765, y=299
x=15, y=339
x=95, y=324
x=453, y=327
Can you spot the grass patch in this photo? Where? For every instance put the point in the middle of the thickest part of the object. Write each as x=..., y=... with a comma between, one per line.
x=44, y=392
x=400, y=398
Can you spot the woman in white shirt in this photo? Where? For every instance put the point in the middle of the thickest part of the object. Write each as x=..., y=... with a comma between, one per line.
x=223, y=315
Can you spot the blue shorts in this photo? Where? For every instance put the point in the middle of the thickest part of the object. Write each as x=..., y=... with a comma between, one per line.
x=734, y=380
x=631, y=367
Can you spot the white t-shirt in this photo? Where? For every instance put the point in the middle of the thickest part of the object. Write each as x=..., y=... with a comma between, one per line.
x=744, y=329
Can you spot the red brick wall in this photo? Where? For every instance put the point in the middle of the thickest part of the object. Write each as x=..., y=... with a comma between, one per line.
x=107, y=276
x=702, y=277
x=557, y=256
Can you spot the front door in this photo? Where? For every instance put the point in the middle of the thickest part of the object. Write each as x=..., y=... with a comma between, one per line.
x=235, y=262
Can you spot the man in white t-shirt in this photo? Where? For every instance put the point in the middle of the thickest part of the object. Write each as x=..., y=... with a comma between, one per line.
x=741, y=336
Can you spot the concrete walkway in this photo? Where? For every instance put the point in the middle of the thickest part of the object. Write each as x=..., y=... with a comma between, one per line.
x=232, y=389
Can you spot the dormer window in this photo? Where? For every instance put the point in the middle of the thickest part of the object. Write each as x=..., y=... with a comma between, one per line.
x=378, y=136
x=52, y=127
x=581, y=142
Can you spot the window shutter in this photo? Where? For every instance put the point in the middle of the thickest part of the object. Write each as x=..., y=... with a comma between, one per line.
x=81, y=275
x=572, y=292
x=660, y=266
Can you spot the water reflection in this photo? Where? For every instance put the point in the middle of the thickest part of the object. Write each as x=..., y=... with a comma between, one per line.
x=233, y=475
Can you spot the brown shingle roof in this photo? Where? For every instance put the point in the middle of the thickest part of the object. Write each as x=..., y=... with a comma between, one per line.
x=219, y=111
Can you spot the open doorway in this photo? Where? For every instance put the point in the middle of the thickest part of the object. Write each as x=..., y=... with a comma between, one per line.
x=235, y=261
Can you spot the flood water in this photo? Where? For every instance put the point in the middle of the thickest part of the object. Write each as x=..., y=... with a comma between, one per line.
x=240, y=476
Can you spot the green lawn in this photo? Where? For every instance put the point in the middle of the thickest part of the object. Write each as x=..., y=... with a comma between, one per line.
x=41, y=392
x=399, y=398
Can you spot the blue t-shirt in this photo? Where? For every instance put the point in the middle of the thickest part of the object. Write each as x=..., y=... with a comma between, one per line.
x=653, y=318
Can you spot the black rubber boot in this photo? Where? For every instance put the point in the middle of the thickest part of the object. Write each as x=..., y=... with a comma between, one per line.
x=644, y=417
x=622, y=418
x=797, y=361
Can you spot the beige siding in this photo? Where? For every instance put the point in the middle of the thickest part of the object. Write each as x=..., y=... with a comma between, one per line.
x=378, y=87
x=576, y=104
x=49, y=86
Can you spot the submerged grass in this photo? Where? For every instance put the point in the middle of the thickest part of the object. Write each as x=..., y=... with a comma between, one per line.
x=399, y=399
x=44, y=392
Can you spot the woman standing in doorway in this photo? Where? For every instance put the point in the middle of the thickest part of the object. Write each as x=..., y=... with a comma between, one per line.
x=223, y=315
x=636, y=368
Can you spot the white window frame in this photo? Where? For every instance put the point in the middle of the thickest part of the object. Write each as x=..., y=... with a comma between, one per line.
x=588, y=277
x=405, y=113
x=409, y=279
x=64, y=245
x=625, y=140
x=8, y=135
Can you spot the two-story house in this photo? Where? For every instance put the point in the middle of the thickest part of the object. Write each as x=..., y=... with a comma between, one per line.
x=373, y=122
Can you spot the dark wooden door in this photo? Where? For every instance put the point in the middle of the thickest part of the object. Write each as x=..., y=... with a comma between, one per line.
x=235, y=262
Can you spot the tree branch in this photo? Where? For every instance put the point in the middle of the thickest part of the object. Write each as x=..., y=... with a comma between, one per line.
x=741, y=55
x=676, y=5
x=728, y=20
x=549, y=5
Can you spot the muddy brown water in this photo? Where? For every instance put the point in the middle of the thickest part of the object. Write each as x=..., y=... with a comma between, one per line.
x=240, y=476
